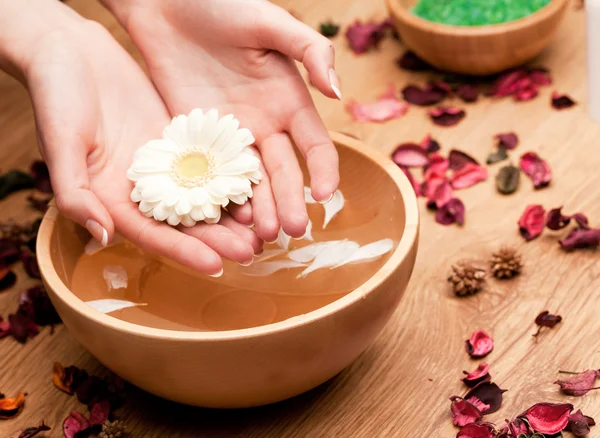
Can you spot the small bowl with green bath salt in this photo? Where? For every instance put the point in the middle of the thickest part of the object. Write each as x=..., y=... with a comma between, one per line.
x=476, y=37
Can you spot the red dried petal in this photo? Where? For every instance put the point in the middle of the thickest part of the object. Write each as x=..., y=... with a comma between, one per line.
x=548, y=418
x=386, y=107
x=468, y=176
x=579, y=424
x=561, y=101
x=74, y=424
x=489, y=393
x=7, y=278
x=517, y=427
x=483, y=408
x=9, y=251
x=537, y=169
x=430, y=95
x=363, y=37
x=463, y=412
x=413, y=182
x=438, y=190
x=526, y=91
x=99, y=412
x=430, y=145
x=39, y=204
x=437, y=167
x=507, y=83
x=22, y=327
x=540, y=76
x=477, y=430
x=508, y=140
x=30, y=432
x=532, y=221
x=30, y=264
x=546, y=319
x=478, y=375
x=446, y=116
x=410, y=155
x=410, y=61
x=40, y=174
x=451, y=212
x=468, y=92
x=479, y=345
x=4, y=328
x=580, y=384
x=36, y=303
x=459, y=159
x=557, y=221
x=581, y=238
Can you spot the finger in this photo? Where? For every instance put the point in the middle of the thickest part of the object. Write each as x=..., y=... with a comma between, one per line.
x=287, y=183
x=241, y=213
x=223, y=241
x=70, y=182
x=303, y=44
x=163, y=240
x=310, y=136
x=264, y=209
x=247, y=234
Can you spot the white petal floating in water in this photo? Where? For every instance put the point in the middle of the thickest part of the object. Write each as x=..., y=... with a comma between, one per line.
x=308, y=234
x=331, y=255
x=333, y=207
x=93, y=246
x=307, y=253
x=268, y=268
x=268, y=254
x=109, y=305
x=308, y=196
x=368, y=253
x=283, y=240
x=115, y=276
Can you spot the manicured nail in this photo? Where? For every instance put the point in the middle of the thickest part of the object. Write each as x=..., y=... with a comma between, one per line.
x=259, y=252
x=97, y=231
x=249, y=263
x=217, y=275
x=327, y=200
x=334, y=81
x=251, y=225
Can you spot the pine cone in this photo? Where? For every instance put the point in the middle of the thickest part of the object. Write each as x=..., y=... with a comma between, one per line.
x=466, y=279
x=506, y=263
x=112, y=429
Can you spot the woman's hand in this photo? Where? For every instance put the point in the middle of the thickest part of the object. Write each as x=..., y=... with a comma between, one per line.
x=235, y=55
x=94, y=107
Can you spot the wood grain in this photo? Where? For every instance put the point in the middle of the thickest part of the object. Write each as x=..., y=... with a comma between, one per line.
x=400, y=386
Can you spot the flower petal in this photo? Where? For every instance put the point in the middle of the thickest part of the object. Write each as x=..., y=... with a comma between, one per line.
x=548, y=418
x=446, y=116
x=532, y=221
x=333, y=207
x=387, y=107
x=109, y=305
x=537, y=169
x=410, y=155
x=561, y=101
x=579, y=384
x=243, y=163
x=184, y=206
x=451, y=212
x=468, y=176
x=479, y=345
x=581, y=238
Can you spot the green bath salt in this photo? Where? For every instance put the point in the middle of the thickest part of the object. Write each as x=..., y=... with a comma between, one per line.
x=476, y=12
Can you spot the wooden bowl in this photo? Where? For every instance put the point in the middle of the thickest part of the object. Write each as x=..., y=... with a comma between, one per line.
x=256, y=366
x=476, y=50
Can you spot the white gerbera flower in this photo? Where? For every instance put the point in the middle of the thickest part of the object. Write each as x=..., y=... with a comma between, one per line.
x=199, y=166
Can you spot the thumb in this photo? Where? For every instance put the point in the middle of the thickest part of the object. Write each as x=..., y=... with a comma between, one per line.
x=279, y=30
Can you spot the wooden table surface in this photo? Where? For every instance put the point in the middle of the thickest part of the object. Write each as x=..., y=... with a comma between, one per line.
x=400, y=386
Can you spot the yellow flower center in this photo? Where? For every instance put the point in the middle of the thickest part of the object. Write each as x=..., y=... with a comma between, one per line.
x=193, y=168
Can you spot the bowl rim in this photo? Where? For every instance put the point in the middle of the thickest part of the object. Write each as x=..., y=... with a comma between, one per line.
x=407, y=241
x=403, y=14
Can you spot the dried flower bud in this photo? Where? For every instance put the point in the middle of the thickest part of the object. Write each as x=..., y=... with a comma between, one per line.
x=506, y=263
x=466, y=279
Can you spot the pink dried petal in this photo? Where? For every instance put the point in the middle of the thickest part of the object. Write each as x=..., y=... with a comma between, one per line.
x=477, y=430
x=410, y=61
x=468, y=176
x=415, y=185
x=446, y=116
x=410, y=155
x=429, y=144
x=489, y=393
x=438, y=166
x=517, y=427
x=362, y=37
x=99, y=412
x=532, y=221
x=459, y=159
x=463, y=412
x=451, y=212
x=580, y=384
x=506, y=84
x=437, y=190
x=479, y=345
x=526, y=91
x=561, y=101
x=468, y=92
x=386, y=107
x=508, y=140
x=480, y=374
x=548, y=418
x=581, y=238
x=481, y=406
x=74, y=424
x=579, y=424
x=540, y=76
x=430, y=95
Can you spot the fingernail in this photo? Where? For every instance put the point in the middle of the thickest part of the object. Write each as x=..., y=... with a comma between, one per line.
x=327, y=200
x=251, y=225
x=259, y=252
x=217, y=275
x=97, y=231
x=249, y=263
x=334, y=81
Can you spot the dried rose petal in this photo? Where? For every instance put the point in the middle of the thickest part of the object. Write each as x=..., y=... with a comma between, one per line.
x=11, y=407
x=479, y=345
x=413, y=182
x=581, y=238
x=30, y=432
x=546, y=319
x=7, y=278
x=489, y=393
x=99, y=412
x=468, y=176
x=477, y=430
x=39, y=204
x=362, y=37
x=386, y=107
x=556, y=220
x=4, y=329
x=437, y=190
x=537, y=169
x=463, y=412
x=36, y=303
x=68, y=379
x=483, y=408
x=430, y=145
x=580, y=384
x=446, y=116
x=517, y=427
x=410, y=155
x=507, y=83
x=30, y=264
x=437, y=167
x=579, y=424
x=430, y=95
x=451, y=212
x=532, y=221
x=74, y=424
x=526, y=91
x=508, y=140
x=468, y=92
x=459, y=159
x=22, y=327
x=9, y=251
x=40, y=174
x=410, y=61
x=548, y=418
x=540, y=76
x=561, y=101
x=480, y=374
